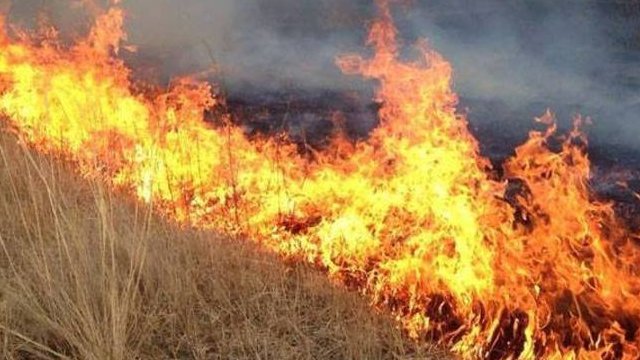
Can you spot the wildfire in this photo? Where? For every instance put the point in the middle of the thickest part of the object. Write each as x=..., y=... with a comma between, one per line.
x=526, y=266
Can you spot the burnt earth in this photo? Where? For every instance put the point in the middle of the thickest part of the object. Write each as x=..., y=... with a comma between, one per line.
x=309, y=120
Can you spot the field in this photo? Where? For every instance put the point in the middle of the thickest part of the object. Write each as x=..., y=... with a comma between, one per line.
x=89, y=274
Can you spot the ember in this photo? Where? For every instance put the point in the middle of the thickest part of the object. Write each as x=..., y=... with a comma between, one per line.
x=525, y=266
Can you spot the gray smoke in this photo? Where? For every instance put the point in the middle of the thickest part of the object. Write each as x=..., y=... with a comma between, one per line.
x=257, y=45
x=571, y=55
x=575, y=56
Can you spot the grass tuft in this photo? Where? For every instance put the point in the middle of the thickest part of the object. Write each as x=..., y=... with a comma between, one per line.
x=86, y=274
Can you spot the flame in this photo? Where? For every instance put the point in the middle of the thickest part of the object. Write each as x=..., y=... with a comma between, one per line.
x=526, y=266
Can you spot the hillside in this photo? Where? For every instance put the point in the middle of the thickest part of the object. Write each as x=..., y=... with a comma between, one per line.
x=86, y=274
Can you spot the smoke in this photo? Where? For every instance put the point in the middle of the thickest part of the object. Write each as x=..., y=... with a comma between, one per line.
x=573, y=56
x=255, y=45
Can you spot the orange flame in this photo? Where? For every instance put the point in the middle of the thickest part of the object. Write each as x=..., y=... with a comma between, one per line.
x=524, y=267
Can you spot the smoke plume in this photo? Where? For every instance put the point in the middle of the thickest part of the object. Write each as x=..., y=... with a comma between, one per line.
x=521, y=56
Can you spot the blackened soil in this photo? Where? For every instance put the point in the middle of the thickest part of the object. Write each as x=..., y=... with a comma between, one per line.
x=310, y=119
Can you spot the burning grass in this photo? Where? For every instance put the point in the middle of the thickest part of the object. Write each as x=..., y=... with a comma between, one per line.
x=91, y=275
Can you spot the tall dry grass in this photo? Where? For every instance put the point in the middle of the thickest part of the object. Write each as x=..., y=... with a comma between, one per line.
x=86, y=274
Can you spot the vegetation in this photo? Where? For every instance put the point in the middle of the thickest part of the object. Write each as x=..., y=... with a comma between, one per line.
x=86, y=274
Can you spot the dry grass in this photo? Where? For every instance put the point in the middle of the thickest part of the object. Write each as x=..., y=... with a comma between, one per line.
x=85, y=274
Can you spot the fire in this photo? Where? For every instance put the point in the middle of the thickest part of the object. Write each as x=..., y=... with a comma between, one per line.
x=529, y=265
